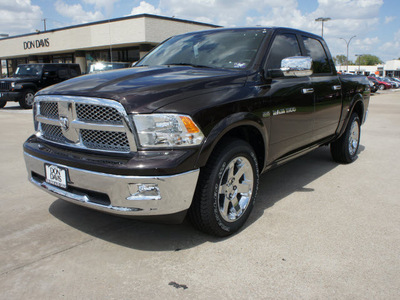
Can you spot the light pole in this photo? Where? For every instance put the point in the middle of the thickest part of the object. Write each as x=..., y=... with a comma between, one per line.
x=359, y=62
x=347, y=57
x=322, y=20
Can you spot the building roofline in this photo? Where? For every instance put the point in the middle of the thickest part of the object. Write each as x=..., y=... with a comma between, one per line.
x=112, y=21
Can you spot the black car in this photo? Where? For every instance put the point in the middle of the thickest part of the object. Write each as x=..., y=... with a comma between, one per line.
x=30, y=78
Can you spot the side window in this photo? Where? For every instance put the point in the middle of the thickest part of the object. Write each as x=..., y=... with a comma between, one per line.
x=74, y=71
x=50, y=71
x=316, y=51
x=284, y=45
x=63, y=73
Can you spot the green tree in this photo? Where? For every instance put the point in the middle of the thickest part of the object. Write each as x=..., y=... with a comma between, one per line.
x=340, y=60
x=368, y=60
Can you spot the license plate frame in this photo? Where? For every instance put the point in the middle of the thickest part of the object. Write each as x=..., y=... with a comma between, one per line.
x=56, y=175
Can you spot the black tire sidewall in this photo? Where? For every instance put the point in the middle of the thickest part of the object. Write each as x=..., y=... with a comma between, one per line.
x=22, y=102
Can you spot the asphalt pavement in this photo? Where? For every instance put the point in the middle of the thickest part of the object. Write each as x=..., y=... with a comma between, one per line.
x=319, y=230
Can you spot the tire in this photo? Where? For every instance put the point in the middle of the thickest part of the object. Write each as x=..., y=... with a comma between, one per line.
x=344, y=150
x=223, y=200
x=381, y=87
x=2, y=103
x=27, y=99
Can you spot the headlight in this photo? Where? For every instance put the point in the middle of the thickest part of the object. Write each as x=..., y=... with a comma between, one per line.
x=167, y=130
x=12, y=84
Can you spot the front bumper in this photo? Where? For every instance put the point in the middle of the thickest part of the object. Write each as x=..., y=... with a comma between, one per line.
x=116, y=193
x=10, y=96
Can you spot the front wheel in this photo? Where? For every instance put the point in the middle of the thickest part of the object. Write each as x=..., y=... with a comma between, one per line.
x=344, y=150
x=2, y=103
x=381, y=87
x=27, y=99
x=226, y=189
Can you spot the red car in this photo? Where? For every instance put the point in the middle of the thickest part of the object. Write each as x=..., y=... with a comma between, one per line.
x=382, y=84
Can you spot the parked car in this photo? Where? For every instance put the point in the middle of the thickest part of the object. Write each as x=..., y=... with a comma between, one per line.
x=382, y=84
x=374, y=85
x=192, y=126
x=30, y=78
x=102, y=66
x=393, y=82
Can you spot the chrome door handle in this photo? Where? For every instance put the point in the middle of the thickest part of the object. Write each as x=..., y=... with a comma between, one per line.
x=336, y=87
x=307, y=91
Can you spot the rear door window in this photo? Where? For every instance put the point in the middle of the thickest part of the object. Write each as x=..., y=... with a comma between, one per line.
x=316, y=51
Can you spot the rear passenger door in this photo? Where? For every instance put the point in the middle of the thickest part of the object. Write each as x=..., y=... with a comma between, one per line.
x=327, y=89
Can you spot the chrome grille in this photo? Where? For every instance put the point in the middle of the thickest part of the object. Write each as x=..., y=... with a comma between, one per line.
x=97, y=113
x=83, y=122
x=52, y=133
x=5, y=86
x=107, y=140
x=49, y=109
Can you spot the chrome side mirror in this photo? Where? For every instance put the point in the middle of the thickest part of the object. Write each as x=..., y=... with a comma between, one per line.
x=297, y=66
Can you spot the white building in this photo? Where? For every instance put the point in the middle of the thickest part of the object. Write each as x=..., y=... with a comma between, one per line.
x=390, y=68
x=120, y=40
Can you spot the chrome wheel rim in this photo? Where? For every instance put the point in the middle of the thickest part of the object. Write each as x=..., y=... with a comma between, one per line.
x=29, y=98
x=354, y=138
x=235, y=189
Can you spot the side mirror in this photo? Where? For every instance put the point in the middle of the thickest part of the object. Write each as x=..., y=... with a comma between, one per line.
x=297, y=66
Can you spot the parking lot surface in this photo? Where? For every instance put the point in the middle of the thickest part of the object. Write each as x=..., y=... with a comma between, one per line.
x=319, y=230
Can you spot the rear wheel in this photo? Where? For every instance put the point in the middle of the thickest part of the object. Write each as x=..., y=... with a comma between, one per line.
x=344, y=150
x=381, y=87
x=27, y=99
x=226, y=190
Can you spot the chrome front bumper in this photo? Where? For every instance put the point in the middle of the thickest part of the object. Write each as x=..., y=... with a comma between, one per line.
x=118, y=194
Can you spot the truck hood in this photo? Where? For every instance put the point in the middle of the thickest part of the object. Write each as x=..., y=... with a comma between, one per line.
x=146, y=89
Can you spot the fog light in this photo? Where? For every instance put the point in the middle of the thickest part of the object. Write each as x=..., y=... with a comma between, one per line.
x=144, y=191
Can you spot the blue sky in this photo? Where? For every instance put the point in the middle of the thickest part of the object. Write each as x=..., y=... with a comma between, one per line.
x=376, y=23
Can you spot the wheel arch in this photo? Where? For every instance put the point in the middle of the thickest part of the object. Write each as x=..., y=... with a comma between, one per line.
x=244, y=126
x=355, y=106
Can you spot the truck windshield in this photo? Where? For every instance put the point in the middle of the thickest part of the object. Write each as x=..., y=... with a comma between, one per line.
x=231, y=49
x=28, y=70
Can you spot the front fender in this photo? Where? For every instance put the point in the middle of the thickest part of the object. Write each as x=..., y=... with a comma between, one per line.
x=26, y=85
x=235, y=125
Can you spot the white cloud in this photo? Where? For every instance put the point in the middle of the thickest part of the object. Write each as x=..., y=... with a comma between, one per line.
x=391, y=49
x=389, y=19
x=19, y=16
x=107, y=5
x=77, y=13
x=145, y=8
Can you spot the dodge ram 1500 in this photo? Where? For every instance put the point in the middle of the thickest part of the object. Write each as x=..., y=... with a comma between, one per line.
x=191, y=127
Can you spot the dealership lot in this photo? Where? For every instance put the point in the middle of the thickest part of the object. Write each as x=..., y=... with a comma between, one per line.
x=318, y=230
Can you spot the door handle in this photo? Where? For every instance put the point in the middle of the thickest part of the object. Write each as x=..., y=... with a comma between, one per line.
x=307, y=91
x=336, y=87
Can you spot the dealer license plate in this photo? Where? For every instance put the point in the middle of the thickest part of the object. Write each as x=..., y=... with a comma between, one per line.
x=56, y=175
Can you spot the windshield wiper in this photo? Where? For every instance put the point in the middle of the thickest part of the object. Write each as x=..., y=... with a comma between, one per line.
x=187, y=64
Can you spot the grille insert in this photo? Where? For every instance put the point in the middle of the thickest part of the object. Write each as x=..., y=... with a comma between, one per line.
x=106, y=140
x=98, y=113
x=49, y=109
x=52, y=133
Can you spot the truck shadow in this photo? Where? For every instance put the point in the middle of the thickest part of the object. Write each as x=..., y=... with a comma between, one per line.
x=275, y=185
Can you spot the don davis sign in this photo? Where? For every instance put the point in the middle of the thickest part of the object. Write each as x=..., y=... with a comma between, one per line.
x=35, y=44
